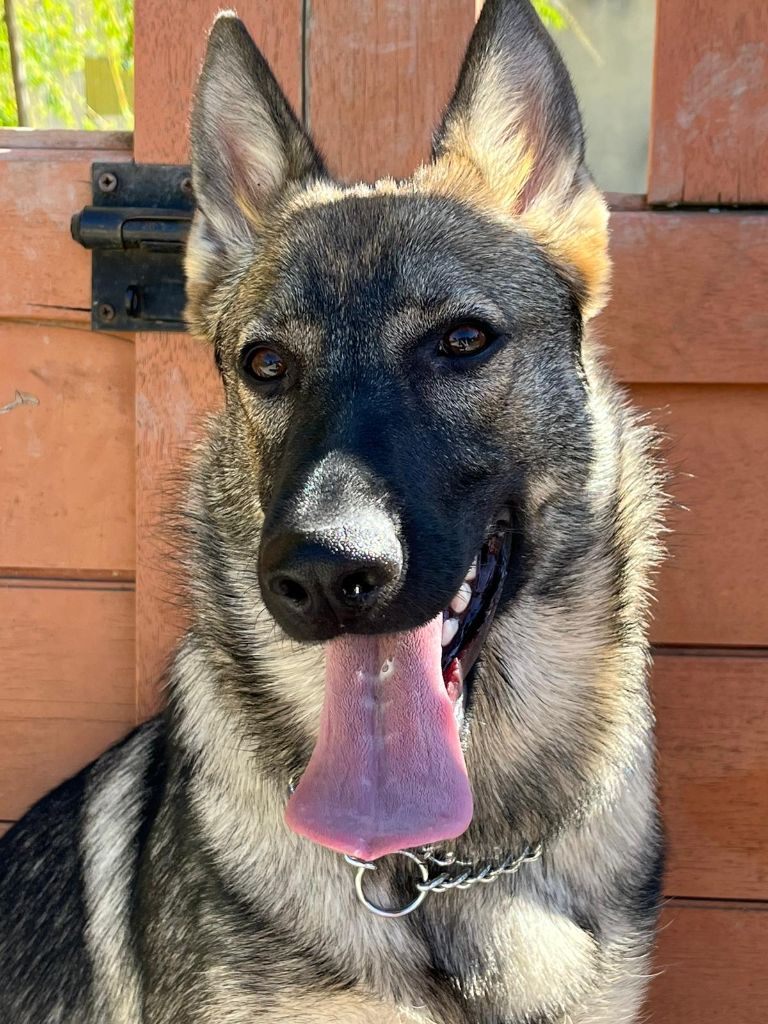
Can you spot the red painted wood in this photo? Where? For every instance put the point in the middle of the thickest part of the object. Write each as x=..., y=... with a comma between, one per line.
x=709, y=138
x=175, y=378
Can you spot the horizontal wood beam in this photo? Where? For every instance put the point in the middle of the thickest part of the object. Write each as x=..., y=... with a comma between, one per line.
x=712, y=729
x=66, y=139
x=690, y=302
x=709, y=965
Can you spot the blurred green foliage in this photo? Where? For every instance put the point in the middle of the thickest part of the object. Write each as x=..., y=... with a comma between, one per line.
x=552, y=14
x=56, y=37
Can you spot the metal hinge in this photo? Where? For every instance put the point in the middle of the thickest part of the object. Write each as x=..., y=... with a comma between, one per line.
x=136, y=229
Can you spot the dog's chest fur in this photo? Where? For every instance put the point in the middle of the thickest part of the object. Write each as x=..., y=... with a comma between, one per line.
x=294, y=944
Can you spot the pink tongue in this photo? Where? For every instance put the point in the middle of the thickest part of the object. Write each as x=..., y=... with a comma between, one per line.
x=387, y=771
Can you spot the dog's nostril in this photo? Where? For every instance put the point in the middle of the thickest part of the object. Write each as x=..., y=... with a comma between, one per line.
x=358, y=585
x=290, y=589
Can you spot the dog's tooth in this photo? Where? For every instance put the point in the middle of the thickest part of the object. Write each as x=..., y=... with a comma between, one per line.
x=450, y=629
x=462, y=598
x=472, y=571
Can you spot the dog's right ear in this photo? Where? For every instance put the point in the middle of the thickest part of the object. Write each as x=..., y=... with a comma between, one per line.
x=247, y=147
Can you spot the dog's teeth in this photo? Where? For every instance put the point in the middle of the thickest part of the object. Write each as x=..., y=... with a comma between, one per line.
x=450, y=629
x=460, y=602
x=472, y=572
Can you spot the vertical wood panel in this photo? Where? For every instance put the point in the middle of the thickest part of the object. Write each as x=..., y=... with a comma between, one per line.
x=175, y=378
x=379, y=73
x=709, y=138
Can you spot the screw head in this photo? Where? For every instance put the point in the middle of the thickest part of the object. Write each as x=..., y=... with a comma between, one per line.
x=107, y=181
x=186, y=184
x=106, y=312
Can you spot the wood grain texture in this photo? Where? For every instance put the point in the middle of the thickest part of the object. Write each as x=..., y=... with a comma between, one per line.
x=689, y=300
x=168, y=54
x=68, y=685
x=67, y=648
x=379, y=74
x=713, y=589
x=709, y=137
x=176, y=385
x=710, y=964
x=712, y=715
x=175, y=378
x=66, y=462
x=46, y=275
x=40, y=752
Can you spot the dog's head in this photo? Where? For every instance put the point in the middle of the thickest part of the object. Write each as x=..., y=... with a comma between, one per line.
x=403, y=377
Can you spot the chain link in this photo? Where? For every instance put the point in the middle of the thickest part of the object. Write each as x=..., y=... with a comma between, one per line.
x=470, y=876
x=445, y=880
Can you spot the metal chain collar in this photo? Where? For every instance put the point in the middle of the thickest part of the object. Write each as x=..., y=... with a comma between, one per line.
x=426, y=858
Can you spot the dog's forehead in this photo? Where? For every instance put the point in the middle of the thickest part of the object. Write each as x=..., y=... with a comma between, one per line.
x=376, y=252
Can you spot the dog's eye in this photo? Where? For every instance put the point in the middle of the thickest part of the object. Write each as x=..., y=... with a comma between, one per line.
x=464, y=340
x=264, y=363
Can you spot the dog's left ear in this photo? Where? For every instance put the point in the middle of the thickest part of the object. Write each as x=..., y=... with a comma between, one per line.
x=512, y=143
x=247, y=148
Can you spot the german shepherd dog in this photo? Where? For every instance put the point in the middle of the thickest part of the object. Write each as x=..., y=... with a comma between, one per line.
x=421, y=534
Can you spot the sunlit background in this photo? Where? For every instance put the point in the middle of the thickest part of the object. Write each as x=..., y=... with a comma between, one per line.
x=69, y=64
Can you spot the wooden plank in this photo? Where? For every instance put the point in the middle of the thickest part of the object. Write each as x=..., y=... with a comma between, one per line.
x=68, y=685
x=379, y=74
x=69, y=648
x=64, y=138
x=168, y=53
x=689, y=298
x=713, y=589
x=39, y=753
x=709, y=142
x=46, y=275
x=175, y=378
x=712, y=732
x=66, y=462
x=710, y=965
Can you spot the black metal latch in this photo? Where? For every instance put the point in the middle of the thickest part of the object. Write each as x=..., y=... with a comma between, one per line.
x=137, y=228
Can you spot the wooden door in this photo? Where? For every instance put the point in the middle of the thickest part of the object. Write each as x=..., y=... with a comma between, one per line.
x=685, y=330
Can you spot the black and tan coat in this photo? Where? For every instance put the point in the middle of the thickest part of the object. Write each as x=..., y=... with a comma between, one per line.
x=162, y=886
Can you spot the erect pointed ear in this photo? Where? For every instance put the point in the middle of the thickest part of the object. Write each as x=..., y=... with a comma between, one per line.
x=247, y=147
x=512, y=142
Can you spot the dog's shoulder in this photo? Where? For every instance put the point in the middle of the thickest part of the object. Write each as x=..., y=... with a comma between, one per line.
x=44, y=866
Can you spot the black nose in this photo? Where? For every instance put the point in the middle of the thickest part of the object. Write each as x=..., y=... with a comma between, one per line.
x=334, y=577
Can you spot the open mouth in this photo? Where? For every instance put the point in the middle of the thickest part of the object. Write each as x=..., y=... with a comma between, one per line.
x=468, y=618
x=387, y=772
